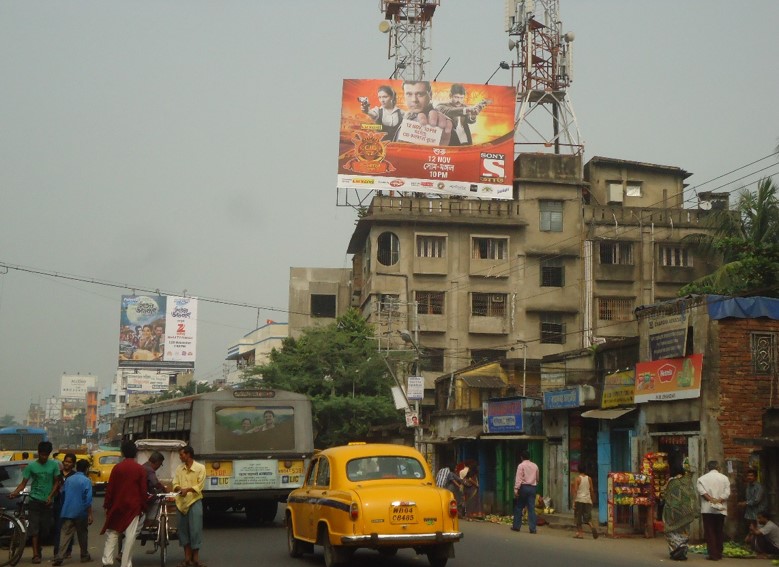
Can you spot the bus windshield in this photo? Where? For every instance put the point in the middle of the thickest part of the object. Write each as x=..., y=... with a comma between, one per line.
x=254, y=428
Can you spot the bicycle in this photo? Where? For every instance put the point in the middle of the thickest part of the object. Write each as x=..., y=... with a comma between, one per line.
x=13, y=533
x=159, y=530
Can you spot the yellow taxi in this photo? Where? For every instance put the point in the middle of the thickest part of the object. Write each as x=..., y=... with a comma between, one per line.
x=375, y=496
x=102, y=464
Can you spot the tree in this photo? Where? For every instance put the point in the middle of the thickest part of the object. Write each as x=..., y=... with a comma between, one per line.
x=190, y=388
x=339, y=368
x=8, y=420
x=747, y=240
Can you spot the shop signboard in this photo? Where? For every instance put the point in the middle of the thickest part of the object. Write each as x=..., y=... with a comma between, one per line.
x=668, y=335
x=668, y=379
x=618, y=389
x=504, y=416
x=563, y=399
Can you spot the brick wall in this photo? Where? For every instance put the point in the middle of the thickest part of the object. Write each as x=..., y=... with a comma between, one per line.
x=744, y=396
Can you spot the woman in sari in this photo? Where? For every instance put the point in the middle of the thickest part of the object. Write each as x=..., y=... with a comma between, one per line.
x=680, y=509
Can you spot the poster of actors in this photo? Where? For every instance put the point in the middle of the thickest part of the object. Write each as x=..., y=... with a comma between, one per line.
x=427, y=137
x=157, y=331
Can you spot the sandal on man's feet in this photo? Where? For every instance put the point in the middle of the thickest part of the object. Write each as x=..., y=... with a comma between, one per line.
x=184, y=564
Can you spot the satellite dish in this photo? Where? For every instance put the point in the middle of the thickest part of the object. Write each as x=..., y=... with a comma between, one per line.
x=705, y=205
x=384, y=26
x=512, y=44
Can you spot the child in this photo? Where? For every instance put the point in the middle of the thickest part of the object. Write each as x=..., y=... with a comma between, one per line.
x=76, y=512
x=584, y=497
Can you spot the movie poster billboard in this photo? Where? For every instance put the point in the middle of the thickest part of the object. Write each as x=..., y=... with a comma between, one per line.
x=157, y=331
x=670, y=379
x=427, y=137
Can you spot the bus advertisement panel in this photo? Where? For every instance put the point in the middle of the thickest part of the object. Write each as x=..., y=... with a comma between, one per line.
x=157, y=331
x=427, y=137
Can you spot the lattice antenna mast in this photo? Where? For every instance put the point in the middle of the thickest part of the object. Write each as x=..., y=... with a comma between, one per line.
x=409, y=25
x=544, y=114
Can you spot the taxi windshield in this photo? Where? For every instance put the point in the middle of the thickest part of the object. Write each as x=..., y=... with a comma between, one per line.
x=373, y=468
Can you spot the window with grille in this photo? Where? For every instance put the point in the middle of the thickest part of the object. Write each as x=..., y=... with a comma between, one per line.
x=675, y=256
x=388, y=251
x=430, y=302
x=763, y=346
x=431, y=246
x=490, y=248
x=616, y=253
x=552, y=272
x=389, y=303
x=486, y=355
x=552, y=329
x=551, y=216
x=615, y=308
x=432, y=360
x=488, y=304
x=322, y=305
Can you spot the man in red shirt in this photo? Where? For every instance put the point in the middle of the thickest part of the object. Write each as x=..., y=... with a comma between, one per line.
x=125, y=504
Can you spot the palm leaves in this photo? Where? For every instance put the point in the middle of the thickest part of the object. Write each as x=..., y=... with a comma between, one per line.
x=746, y=238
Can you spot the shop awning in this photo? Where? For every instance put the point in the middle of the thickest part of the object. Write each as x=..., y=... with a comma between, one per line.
x=469, y=432
x=488, y=376
x=607, y=413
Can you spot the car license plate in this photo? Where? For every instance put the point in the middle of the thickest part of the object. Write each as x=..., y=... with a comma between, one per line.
x=403, y=515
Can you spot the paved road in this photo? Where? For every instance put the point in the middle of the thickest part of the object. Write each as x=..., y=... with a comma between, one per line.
x=229, y=542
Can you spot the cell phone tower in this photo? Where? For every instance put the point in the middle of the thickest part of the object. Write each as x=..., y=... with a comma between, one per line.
x=544, y=114
x=409, y=24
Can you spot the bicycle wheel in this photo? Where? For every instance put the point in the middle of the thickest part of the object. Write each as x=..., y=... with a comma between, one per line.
x=162, y=539
x=13, y=537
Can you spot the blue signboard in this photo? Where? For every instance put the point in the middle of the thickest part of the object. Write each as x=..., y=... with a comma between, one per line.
x=562, y=399
x=504, y=416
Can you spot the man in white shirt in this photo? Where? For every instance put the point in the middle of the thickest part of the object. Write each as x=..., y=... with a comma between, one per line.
x=714, y=488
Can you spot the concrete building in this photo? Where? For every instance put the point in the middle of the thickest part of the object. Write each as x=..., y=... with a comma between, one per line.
x=317, y=296
x=254, y=348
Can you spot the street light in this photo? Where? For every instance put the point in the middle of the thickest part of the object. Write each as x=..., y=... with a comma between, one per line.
x=501, y=65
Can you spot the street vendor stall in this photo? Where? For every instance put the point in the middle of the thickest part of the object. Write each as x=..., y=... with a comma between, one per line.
x=626, y=490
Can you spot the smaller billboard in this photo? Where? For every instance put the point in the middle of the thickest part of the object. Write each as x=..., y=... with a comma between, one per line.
x=75, y=386
x=563, y=399
x=147, y=382
x=669, y=379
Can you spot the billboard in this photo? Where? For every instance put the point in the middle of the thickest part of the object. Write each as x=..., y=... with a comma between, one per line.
x=427, y=137
x=157, y=331
x=147, y=381
x=75, y=386
x=669, y=379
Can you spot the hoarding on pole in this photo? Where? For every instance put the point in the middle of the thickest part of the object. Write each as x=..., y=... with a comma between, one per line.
x=157, y=331
x=427, y=137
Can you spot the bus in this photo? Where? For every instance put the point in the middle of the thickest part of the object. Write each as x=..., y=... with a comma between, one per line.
x=255, y=443
x=22, y=439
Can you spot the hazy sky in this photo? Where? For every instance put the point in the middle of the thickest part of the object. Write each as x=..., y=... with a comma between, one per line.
x=192, y=145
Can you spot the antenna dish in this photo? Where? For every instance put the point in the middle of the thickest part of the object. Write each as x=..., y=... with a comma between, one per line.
x=569, y=37
x=384, y=26
x=705, y=205
x=512, y=44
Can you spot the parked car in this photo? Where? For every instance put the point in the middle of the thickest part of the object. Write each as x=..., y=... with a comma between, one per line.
x=375, y=496
x=102, y=464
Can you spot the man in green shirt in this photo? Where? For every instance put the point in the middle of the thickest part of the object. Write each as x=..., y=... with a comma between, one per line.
x=44, y=473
